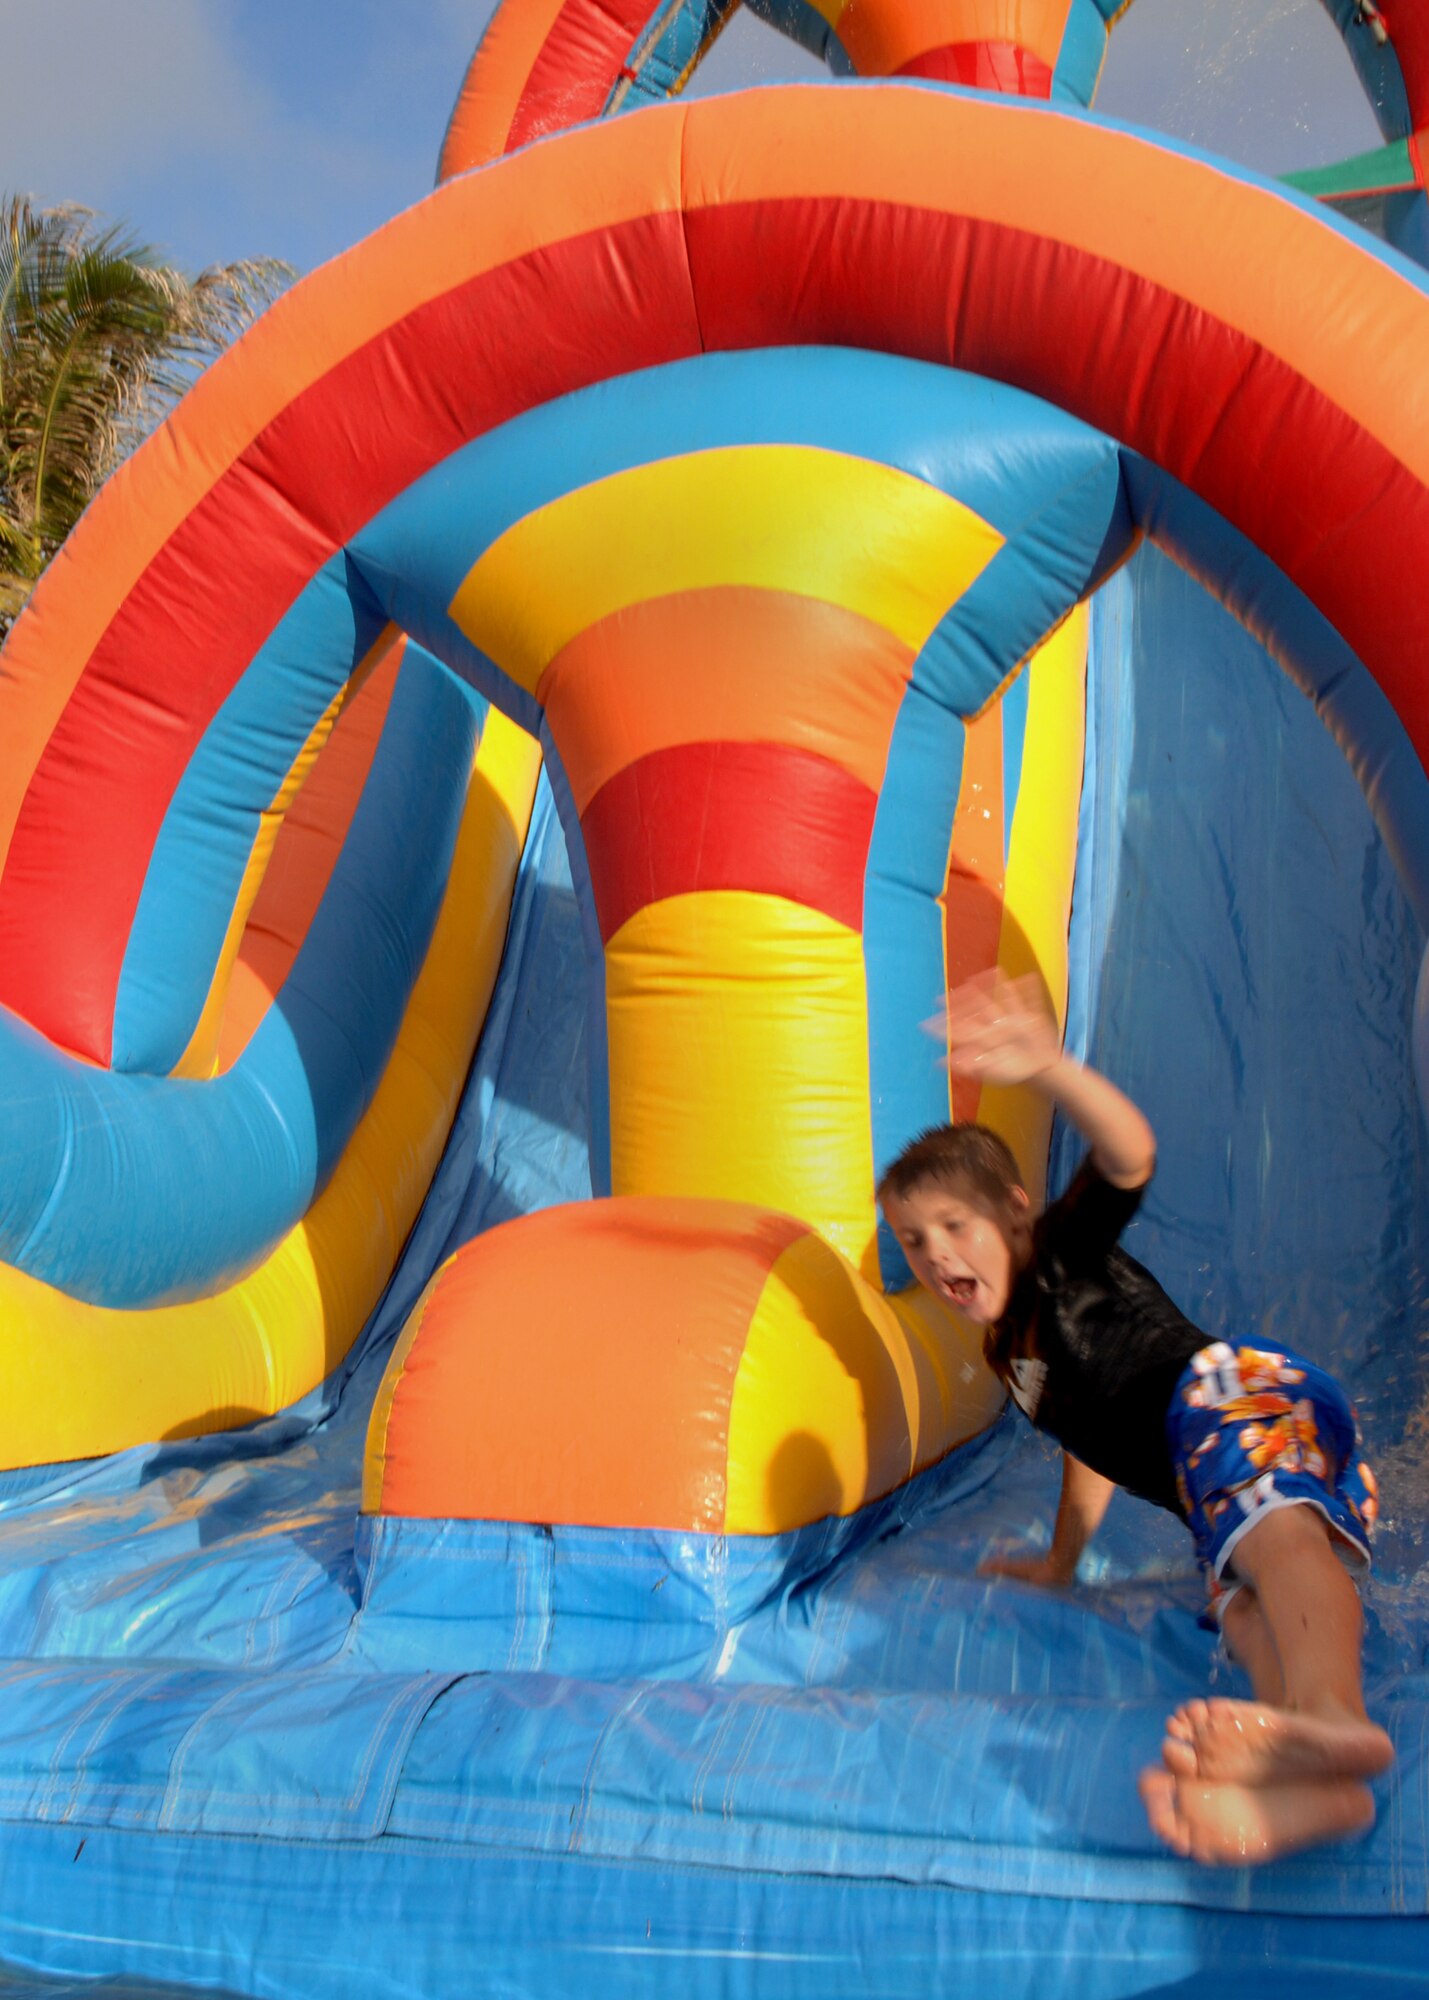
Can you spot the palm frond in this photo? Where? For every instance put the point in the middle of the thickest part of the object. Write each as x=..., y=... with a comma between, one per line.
x=98, y=340
x=208, y=313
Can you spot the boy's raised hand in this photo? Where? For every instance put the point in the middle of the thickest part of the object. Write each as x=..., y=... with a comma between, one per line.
x=998, y=1030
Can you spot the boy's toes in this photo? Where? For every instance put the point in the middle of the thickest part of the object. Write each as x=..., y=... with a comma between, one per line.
x=1188, y=1721
x=1187, y=1731
x=1159, y=1796
x=1177, y=1725
x=1250, y=1743
x=1178, y=1755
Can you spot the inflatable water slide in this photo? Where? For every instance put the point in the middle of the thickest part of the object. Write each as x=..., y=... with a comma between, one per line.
x=489, y=792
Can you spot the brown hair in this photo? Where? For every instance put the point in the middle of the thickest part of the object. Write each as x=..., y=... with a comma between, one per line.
x=973, y=1162
x=968, y=1159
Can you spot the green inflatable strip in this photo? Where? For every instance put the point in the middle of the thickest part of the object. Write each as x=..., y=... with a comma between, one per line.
x=1383, y=171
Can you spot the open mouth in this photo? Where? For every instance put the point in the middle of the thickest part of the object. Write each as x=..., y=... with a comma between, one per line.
x=960, y=1291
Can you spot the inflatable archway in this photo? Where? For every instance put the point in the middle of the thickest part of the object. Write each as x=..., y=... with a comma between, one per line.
x=541, y=68
x=742, y=456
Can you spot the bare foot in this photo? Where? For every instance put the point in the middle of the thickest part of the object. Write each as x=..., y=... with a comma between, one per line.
x=1241, y=1826
x=1249, y=1743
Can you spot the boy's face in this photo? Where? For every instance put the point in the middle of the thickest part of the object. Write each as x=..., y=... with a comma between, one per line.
x=959, y=1252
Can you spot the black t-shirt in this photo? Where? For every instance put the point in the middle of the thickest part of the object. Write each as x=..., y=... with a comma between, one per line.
x=1090, y=1346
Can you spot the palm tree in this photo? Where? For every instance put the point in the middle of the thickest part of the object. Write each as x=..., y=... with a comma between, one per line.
x=97, y=341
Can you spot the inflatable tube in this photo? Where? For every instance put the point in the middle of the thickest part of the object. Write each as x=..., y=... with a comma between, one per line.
x=85, y=1376
x=542, y=67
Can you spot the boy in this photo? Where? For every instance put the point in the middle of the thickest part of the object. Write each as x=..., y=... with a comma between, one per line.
x=1256, y=1451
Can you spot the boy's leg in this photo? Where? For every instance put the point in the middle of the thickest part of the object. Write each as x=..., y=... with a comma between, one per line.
x=1251, y=1644
x=1312, y=1612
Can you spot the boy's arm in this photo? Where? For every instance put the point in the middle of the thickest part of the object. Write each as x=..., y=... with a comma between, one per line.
x=1002, y=1031
x=1080, y=1512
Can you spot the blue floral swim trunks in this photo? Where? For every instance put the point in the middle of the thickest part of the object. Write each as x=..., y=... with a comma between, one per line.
x=1251, y=1429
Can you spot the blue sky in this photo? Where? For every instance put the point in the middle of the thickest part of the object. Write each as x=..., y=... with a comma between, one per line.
x=229, y=128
